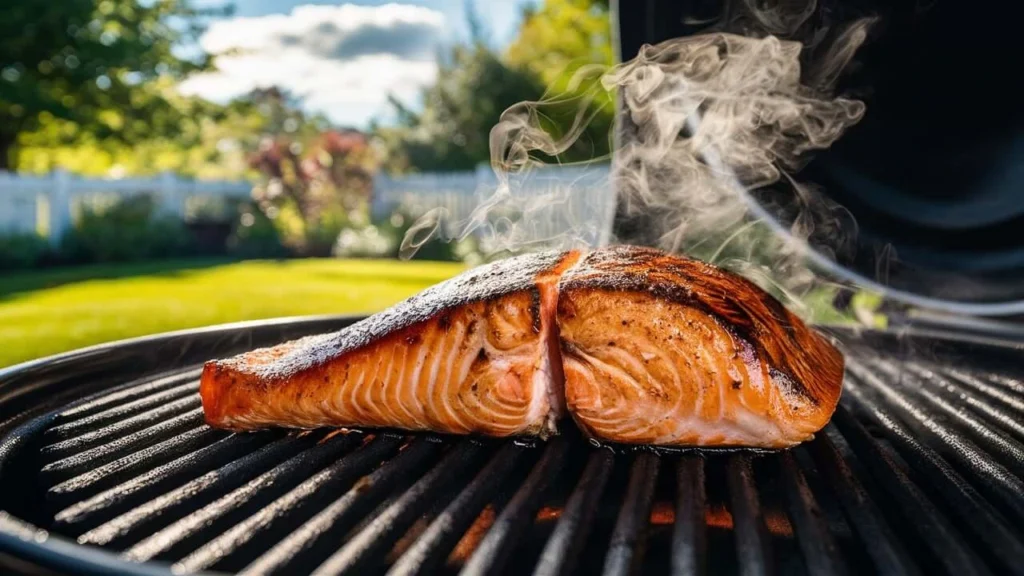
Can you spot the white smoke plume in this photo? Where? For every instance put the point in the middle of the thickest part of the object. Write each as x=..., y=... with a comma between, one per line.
x=704, y=121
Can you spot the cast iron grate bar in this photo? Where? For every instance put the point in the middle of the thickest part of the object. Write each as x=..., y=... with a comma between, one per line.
x=309, y=493
x=143, y=388
x=749, y=529
x=986, y=407
x=976, y=513
x=130, y=526
x=107, y=475
x=946, y=545
x=119, y=412
x=371, y=542
x=819, y=549
x=1007, y=486
x=625, y=551
x=689, y=538
x=563, y=548
x=992, y=393
x=429, y=549
x=997, y=444
x=230, y=508
x=75, y=464
x=1011, y=385
x=189, y=405
x=106, y=504
x=919, y=473
x=321, y=532
x=500, y=541
x=878, y=539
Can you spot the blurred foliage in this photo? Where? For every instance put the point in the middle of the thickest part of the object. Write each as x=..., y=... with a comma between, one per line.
x=21, y=251
x=315, y=182
x=130, y=229
x=560, y=36
x=255, y=235
x=568, y=45
x=451, y=131
x=97, y=69
x=91, y=86
x=212, y=143
x=475, y=86
x=383, y=239
x=866, y=308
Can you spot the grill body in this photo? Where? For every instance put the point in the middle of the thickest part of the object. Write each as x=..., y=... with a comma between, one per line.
x=107, y=468
x=947, y=202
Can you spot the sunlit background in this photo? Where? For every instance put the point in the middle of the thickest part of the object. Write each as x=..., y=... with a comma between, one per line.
x=166, y=164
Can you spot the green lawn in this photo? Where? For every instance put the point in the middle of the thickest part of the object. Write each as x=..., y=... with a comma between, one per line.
x=48, y=312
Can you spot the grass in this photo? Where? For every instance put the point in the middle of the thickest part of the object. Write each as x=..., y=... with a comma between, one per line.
x=47, y=312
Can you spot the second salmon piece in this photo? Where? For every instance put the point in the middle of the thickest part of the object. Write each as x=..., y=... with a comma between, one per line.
x=664, y=350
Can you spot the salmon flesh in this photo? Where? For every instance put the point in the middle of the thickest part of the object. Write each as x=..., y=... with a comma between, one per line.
x=635, y=345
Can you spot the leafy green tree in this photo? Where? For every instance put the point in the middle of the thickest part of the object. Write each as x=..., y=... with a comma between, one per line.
x=561, y=36
x=459, y=109
x=96, y=69
x=555, y=62
x=567, y=44
x=210, y=141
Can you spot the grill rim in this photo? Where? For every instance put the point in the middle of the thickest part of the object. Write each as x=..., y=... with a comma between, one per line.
x=32, y=379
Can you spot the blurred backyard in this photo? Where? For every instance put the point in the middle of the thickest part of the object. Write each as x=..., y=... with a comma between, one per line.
x=153, y=178
x=136, y=199
x=49, y=312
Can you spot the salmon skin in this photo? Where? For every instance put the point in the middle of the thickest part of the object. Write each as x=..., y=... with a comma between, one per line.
x=635, y=345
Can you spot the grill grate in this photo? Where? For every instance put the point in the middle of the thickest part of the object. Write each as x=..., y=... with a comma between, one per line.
x=919, y=472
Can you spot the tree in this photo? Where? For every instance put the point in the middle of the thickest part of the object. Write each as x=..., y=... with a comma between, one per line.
x=316, y=180
x=94, y=66
x=558, y=38
x=554, y=63
x=567, y=43
x=451, y=132
x=209, y=141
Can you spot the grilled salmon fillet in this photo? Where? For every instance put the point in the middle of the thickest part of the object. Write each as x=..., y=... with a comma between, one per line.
x=664, y=350
x=475, y=354
x=636, y=345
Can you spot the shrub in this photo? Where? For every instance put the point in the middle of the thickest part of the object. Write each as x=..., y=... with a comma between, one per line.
x=255, y=236
x=323, y=231
x=21, y=251
x=383, y=239
x=130, y=229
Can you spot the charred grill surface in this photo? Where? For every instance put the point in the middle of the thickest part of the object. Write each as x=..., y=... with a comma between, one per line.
x=918, y=473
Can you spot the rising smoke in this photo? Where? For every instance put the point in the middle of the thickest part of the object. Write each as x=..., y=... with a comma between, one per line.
x=703, y=121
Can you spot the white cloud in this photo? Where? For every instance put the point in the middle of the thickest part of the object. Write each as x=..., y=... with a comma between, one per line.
x=343, y=60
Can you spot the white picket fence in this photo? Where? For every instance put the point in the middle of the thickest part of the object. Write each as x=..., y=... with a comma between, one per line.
x=551, y=203
x=554, y=202
x=47, y=203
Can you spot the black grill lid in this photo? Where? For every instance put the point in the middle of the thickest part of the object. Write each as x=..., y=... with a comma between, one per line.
x=934, y=172
x=920, y=472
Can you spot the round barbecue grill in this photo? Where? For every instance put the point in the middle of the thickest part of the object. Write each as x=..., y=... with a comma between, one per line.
x=106, y=467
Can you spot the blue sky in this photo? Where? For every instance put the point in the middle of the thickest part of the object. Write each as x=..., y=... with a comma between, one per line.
x=343, y=57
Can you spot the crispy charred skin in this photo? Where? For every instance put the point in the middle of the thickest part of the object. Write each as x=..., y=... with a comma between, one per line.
x=665, y=350
x=470, y=355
